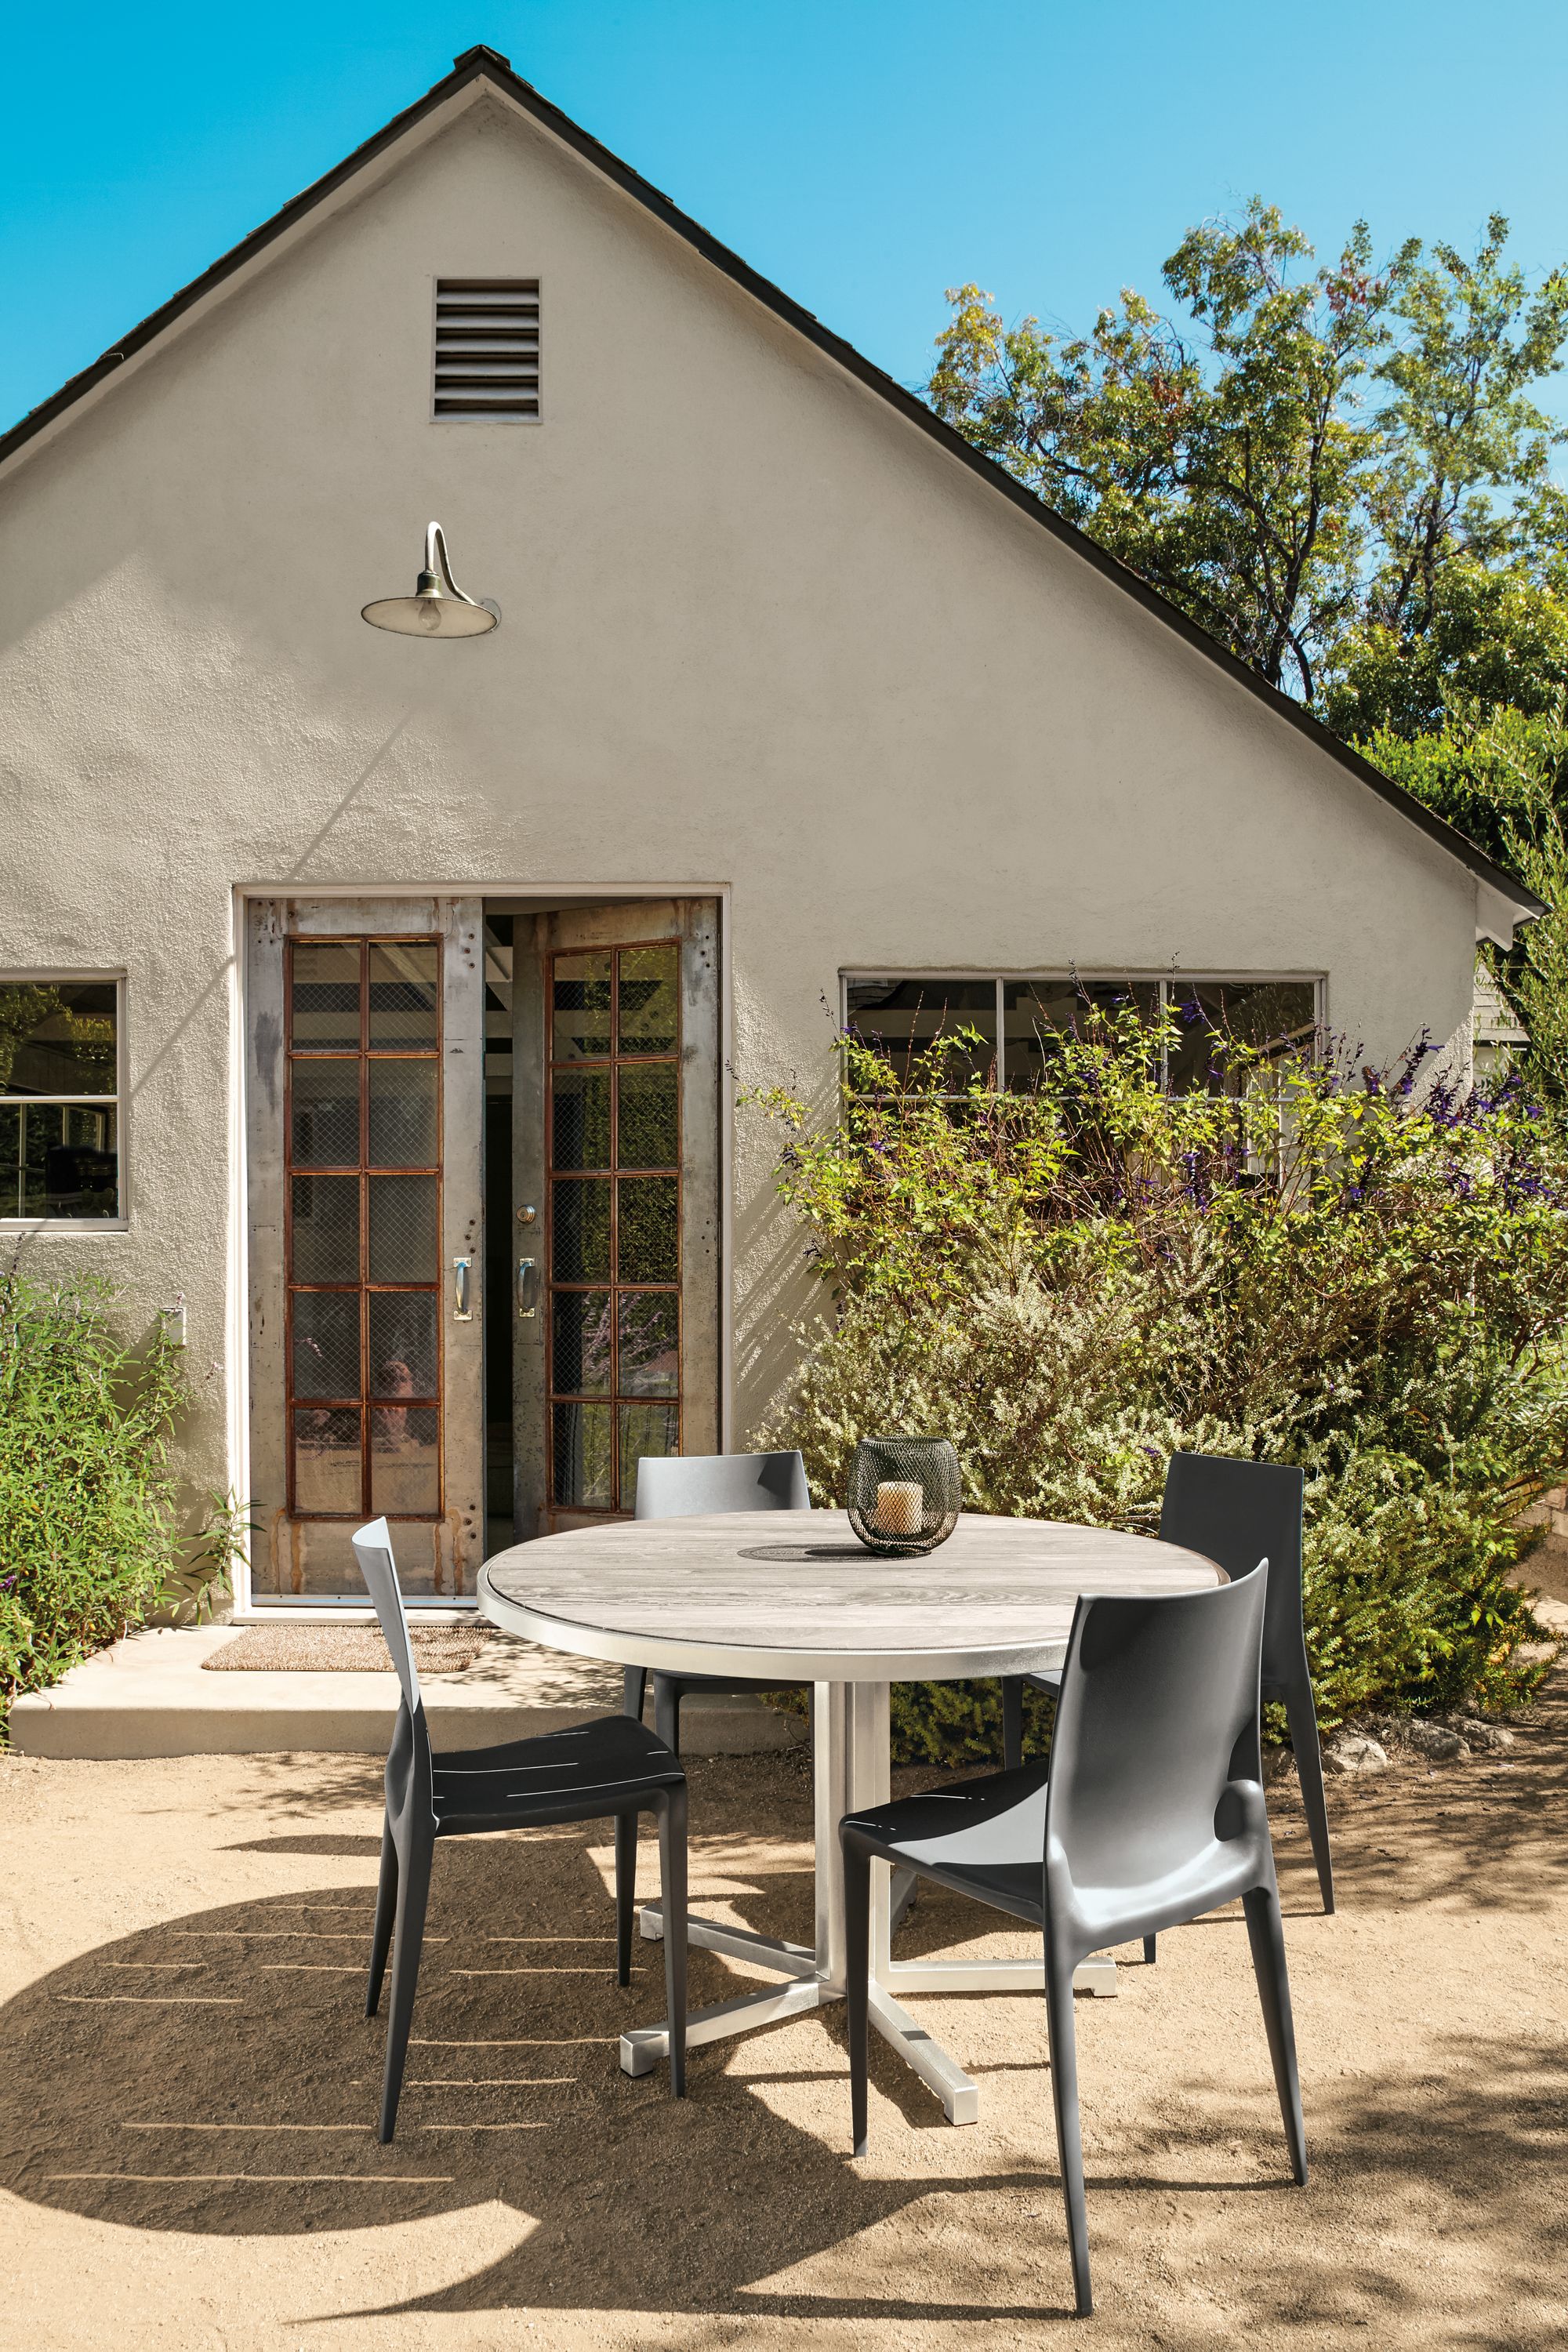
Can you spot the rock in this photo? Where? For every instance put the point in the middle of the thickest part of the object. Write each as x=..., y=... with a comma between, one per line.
x=1353, y=1752
x=1435, y=1741
x=1277, y=1763
x=1490, y=1737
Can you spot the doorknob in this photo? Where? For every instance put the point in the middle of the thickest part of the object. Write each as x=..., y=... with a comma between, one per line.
x=527, y=1286
x=461, y=1311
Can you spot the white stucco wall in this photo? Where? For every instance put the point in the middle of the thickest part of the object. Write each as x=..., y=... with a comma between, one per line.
x=759, y=632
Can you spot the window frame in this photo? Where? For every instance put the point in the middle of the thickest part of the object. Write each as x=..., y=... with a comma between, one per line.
x=51, y=976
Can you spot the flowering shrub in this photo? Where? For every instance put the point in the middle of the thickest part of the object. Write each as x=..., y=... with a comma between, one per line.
x=1352, y=1270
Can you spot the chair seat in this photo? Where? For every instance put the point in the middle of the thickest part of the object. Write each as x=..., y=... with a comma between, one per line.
x=612, y=1756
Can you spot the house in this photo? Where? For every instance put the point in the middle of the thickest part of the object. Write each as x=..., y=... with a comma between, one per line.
x=377, y=1008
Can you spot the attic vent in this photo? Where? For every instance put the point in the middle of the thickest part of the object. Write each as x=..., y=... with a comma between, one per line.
x=487, y=349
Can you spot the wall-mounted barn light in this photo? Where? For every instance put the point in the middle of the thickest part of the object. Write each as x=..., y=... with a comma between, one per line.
x=437, y=607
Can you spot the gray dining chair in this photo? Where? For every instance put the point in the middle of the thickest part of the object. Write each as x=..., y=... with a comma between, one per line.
x=609, y=1768
x=700, y=1485
x=1150, y=1812
x=1235, y=1513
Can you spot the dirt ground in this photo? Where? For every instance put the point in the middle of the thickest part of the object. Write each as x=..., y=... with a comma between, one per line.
x=187, y=2086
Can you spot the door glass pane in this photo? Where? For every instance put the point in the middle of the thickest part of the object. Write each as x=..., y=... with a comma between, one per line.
x=581, y=1114
x=644, y=1429
x=580, y=1342
x=650, y=999
x=326, y=1343
x=650, y=1342
x=581, y=1456
x=404, y=1361
x=403, y=1218
x=580, y=1230
x=649, y=1116
x=327, y=1461
x=323, y=1010
x=648, y=1211
x=405, y=994
x=403, y=1126
x=325, y=1114
x=581, y=1013
x=325, y=1232
x=405, y=1460
x=57, y=1037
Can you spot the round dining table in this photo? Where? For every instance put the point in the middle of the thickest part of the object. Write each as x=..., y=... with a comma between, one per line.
x=792, y=1597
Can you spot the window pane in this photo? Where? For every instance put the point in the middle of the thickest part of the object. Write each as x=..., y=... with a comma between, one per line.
x=904, y=1017
x=58, y=1160
x=405, y=994
x=1277, y=1018
x=580, y=1342
x=325, y=1114
x=644, y=1429
x=650, y=1008
x=325, y=1234
x=403, y=1124
x=649, y=1116
x=580, y=1230
x=404, y=1243
x=650, y=1349
x=404, y=1361
x=649, y=1214
x=324, y=1001
x=582, y=1008
x=406, y=1461
x=327, y=1461
x=57, y=1037
x=1035, y=1012
x=326, y=1343
x=583, y=1435
x=580, y=1131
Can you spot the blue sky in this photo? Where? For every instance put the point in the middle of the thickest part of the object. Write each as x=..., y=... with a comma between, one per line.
x=865, y=153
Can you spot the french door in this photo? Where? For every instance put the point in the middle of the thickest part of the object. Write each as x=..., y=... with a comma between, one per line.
x=365, y=1108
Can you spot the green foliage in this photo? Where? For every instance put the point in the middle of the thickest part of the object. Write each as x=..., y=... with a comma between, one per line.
x=1072, y=1284
x=87, y=1491
x=1493, y=641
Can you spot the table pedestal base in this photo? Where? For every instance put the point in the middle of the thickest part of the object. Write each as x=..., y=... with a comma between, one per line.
x=850, y=1769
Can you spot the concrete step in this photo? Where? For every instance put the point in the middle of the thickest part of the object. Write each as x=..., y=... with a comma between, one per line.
x=149, y=1696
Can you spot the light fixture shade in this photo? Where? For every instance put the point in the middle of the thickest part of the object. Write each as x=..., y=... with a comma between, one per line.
x=437, y=608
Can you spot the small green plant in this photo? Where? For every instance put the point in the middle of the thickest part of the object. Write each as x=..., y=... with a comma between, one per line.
x=1356, y=1271
x=221, y=1547
x=88, y=1541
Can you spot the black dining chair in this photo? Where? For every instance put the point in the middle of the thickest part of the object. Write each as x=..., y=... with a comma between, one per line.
x=700, y=1485
x=1150, y=1812
x=609, y=1768
x=1235, y=1513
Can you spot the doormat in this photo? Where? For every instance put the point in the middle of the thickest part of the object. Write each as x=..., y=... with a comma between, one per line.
x=343, y=1649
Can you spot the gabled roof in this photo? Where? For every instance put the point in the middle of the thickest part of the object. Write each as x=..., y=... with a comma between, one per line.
x=488, y=66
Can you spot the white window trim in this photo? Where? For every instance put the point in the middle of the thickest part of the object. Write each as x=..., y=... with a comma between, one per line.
x=48, y=976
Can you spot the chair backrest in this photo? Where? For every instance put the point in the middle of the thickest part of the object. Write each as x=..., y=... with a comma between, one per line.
x=1158, y=1713
x=1239, y=1513
x=699, y=1486
x=372, y=1549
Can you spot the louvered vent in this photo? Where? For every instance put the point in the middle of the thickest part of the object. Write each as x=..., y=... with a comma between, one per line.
x=487, y=349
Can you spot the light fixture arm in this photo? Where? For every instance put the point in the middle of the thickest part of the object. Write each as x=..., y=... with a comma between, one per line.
x=435, y=547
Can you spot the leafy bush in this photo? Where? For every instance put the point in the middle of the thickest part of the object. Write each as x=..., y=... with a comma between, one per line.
x=87, y=1539
x=1334, y=1269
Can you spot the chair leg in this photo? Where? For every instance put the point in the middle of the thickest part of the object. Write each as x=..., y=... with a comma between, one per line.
x=412, y=1896
x=1266, y=1934
x=381, y=1934
x=667, y=1710
x=1070, y=2137
x=634, y=1690
x=1149, y=1952
x=672, y=1890
x=626, y=1893
x=1303, y=1720
x=902, y=1897
x=1012, y=1721
x=857, y=1980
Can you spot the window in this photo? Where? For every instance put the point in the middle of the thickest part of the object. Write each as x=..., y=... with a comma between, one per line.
x=486, y=368
x=59, y=1100
x=1017, y=1020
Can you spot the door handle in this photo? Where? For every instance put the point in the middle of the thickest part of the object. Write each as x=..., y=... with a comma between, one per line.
x=461, y=1311
x=527, y=1286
